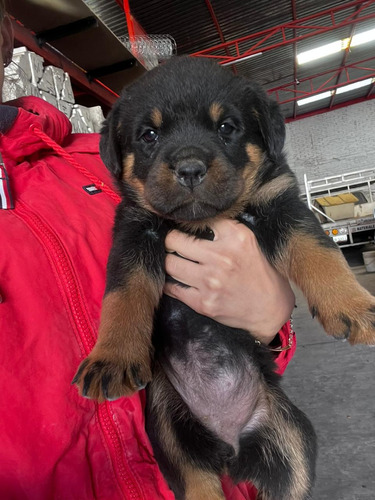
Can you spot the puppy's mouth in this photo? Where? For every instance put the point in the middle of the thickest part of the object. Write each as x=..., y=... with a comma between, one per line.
x=191, y=208
x=192, y=192
x=193, y=211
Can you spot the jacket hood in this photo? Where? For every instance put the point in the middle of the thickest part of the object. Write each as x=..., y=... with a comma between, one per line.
x=17, y=139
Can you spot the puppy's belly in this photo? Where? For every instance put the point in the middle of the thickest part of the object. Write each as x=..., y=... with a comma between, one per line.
x=226, y=395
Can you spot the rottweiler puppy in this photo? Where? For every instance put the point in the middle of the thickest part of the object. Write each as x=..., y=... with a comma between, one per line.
x=188, y=143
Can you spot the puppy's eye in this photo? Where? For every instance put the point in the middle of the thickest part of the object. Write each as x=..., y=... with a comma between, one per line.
x=226, y=128
x=150, y=136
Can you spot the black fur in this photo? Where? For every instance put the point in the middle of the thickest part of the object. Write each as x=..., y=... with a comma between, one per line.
x=182, y=91
x=187, y=143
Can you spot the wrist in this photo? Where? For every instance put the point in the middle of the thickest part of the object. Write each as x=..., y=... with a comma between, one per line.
x=280, y=343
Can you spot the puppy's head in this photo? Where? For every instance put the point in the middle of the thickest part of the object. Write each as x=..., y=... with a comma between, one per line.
x=190, y=141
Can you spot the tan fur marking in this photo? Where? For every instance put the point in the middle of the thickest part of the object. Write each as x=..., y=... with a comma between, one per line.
x=316, y=269
x=272, y=189
x=127, y=166
x=128, y=174
x=163, y=396
x=291, y=445
x=128, y=313
x=201, y=485
x=137, y=185
x=329, y=285
x=215, y=112
x=256, y=157
x=121, y=358
x=156, y=117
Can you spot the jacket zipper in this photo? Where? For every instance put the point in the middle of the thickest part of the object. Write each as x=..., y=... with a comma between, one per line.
x=68, y=284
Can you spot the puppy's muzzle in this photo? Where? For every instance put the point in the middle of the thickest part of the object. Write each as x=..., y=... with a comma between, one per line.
x=190, y=173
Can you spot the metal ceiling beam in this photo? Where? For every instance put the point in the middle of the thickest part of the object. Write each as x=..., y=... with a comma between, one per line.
x=294, y=13
x=326, y=110
x=65, y=30
x=56, y=58
x=369, y=72
x=343, y=62
x=218, y=28
x=261, y=41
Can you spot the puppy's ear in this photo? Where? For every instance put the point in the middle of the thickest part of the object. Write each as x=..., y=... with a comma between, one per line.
x=270, y=120
x=110, y=143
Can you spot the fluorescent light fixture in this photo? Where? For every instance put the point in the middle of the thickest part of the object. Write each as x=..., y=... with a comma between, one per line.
x=366, y=36
x=324, y=50
x=356, y=85
x=313, y=98
x=340, y=90
x=334, y=47
x=242, y=59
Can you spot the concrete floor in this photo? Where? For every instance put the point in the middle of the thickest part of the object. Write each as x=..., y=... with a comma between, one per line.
x=333, y=383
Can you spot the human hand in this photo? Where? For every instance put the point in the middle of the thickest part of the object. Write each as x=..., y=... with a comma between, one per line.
x=230, y=280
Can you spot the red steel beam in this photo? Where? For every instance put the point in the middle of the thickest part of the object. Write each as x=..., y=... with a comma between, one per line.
x=333, y=108
x=218, y=28
x=343, y=62
x=294, y=13
x=56, y=58
x=331, y=74
x=259, y=40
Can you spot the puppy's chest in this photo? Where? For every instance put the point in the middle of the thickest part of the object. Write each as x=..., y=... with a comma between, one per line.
x=216, y=378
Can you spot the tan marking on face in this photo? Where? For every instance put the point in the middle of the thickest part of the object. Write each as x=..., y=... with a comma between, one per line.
x=165, y=177
x=246, y=191
x=135, y=183
x=127, y=167
x=156, y=117
x=256, y=157
x=215, y=112
x=249, y=176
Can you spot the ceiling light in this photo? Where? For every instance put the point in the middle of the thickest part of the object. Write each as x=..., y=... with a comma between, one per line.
x=334, y=47
x=339, y=90
x=356, y=85
x=366, y=36
x=313, y=98
x=241, y=59
x=324, y=50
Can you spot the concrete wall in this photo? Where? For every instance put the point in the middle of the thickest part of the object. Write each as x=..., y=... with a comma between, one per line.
x=332, y=143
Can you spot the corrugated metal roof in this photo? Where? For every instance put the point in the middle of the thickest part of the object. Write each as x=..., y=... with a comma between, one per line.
x=193, y=28
x=197, y=25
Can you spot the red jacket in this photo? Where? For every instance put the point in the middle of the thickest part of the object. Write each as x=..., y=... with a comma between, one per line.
x=55, y=444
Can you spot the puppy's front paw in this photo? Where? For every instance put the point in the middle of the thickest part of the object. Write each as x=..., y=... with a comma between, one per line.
x=104, y=376
x=352, y=319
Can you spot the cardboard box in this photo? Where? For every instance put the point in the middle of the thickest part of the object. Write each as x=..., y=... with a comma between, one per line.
x=338, y=207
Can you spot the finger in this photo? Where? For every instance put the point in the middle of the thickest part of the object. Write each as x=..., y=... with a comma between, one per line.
x=224, y=228
x=182, y=270
x=189, y=296
x=187, y=246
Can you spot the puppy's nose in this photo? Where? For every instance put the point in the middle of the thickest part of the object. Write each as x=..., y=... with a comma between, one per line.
x=190, y=173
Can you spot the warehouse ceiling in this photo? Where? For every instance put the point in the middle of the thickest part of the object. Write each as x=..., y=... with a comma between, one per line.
x=259, y=39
